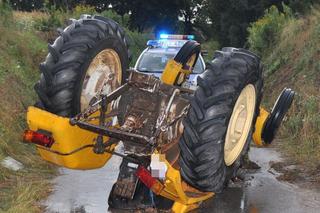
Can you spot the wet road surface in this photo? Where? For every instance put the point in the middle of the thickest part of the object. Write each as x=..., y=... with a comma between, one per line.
x=87, y=191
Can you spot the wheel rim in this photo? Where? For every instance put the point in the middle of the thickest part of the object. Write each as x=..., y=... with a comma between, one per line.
x=189, y=65
x=102, y=77
x=240, y=124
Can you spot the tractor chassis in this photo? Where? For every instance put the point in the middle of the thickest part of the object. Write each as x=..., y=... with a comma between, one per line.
x=141, y=82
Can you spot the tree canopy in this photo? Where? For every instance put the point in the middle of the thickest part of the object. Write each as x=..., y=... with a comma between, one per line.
x=224, y=20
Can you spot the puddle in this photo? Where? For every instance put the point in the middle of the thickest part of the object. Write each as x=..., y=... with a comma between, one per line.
x=87, y=191
x=83, y=191
x=267, y=194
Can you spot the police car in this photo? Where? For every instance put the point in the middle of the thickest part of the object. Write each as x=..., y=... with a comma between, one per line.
x=155, y=57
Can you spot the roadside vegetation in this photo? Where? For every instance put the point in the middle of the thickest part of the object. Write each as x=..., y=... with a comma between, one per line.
x=289, y=45
x=52, y=19
x=20, y=52
x=23, y=45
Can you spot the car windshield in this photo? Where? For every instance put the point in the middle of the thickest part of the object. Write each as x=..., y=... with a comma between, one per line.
x=156, y=62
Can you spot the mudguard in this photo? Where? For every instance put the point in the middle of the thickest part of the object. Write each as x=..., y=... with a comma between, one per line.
x=67, y=139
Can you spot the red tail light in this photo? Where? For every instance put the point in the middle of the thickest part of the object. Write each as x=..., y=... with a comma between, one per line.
x=152, y=183
x=37, y=138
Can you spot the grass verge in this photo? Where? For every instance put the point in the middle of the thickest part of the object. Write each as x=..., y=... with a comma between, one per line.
x=21, y=50
x=294, y=61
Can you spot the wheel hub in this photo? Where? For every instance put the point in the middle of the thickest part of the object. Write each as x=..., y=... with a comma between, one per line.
x=240, y=124
x=102, y=77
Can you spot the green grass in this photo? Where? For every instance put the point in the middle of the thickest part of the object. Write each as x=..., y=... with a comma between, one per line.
x=294, y=62
x=21, y=51
x=22, y=47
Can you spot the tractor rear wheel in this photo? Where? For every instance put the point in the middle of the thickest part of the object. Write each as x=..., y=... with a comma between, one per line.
x=219, y=125
x=90, y=57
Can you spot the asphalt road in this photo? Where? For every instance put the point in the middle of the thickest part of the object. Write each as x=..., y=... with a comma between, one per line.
x=87, y=191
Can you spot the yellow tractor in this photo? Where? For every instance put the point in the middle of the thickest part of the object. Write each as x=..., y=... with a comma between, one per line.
x=180, y=146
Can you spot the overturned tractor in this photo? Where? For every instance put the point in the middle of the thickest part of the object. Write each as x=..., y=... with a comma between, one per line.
x=180, y=146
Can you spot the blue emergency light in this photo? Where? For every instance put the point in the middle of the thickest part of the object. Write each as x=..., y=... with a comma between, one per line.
x=170, y=40
x=164, y=36
x=153, y=43
x=178, y=37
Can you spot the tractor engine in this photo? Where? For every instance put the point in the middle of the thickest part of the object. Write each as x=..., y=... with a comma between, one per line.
x=152, y=109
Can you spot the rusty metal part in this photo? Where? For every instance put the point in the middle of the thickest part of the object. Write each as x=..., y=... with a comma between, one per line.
x=94, y=107
x=110, y=114
x=132, y=123
x=125, y=188
x=160, y=121
x=127, y=180
x=150, y=112
x=102, y=77
x=114, y=133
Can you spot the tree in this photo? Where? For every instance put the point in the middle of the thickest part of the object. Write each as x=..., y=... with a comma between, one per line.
x=149, y=14
x=230, y=19
x=189, y=11
x=26, y=5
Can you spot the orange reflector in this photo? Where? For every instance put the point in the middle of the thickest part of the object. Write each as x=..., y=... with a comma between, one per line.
x=37, y=138
x=152, y=183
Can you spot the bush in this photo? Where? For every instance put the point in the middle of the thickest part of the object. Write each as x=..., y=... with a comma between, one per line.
x=138, y=43
x=265, y=32
x=122, y=20
x=57, y=17
x=6, y=14
x=82, y=9
x=211, y=46
x=50, y=22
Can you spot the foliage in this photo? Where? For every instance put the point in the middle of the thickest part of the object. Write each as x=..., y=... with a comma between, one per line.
x=6, y=14
x=57, y=18
x=27, y=5
x=211, y=46
x=122, y=20
x=302, y=7
x=138, y=43
x=82, y=9
x=223, y=20
x=265, y=32
x=294, y=62
x=20, y=54
x=230, y=19
x=50, y=22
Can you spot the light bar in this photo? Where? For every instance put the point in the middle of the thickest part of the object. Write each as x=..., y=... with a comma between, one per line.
x=153, y=43
x=178, y=37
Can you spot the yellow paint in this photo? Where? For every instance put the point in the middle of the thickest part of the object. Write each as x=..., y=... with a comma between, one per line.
x=171, y=72
x=240, y=124
x=173, y=190
x=260, y=123
x=192, y=61
x=67, y=138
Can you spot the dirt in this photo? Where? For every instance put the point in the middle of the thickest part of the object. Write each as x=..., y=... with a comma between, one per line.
x=297, y=174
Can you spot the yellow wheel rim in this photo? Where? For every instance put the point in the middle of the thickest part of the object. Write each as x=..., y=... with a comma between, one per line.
x=191, y=61
x=240, y=124
x=182, y=76
x=103, y=76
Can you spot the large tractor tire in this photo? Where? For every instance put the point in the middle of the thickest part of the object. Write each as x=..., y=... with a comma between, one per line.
x=89, y=57
x=219, y=125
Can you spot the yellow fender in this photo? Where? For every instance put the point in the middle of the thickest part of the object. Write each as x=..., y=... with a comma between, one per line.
x=67, y=139
x=259, y=126
x=185, y=197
